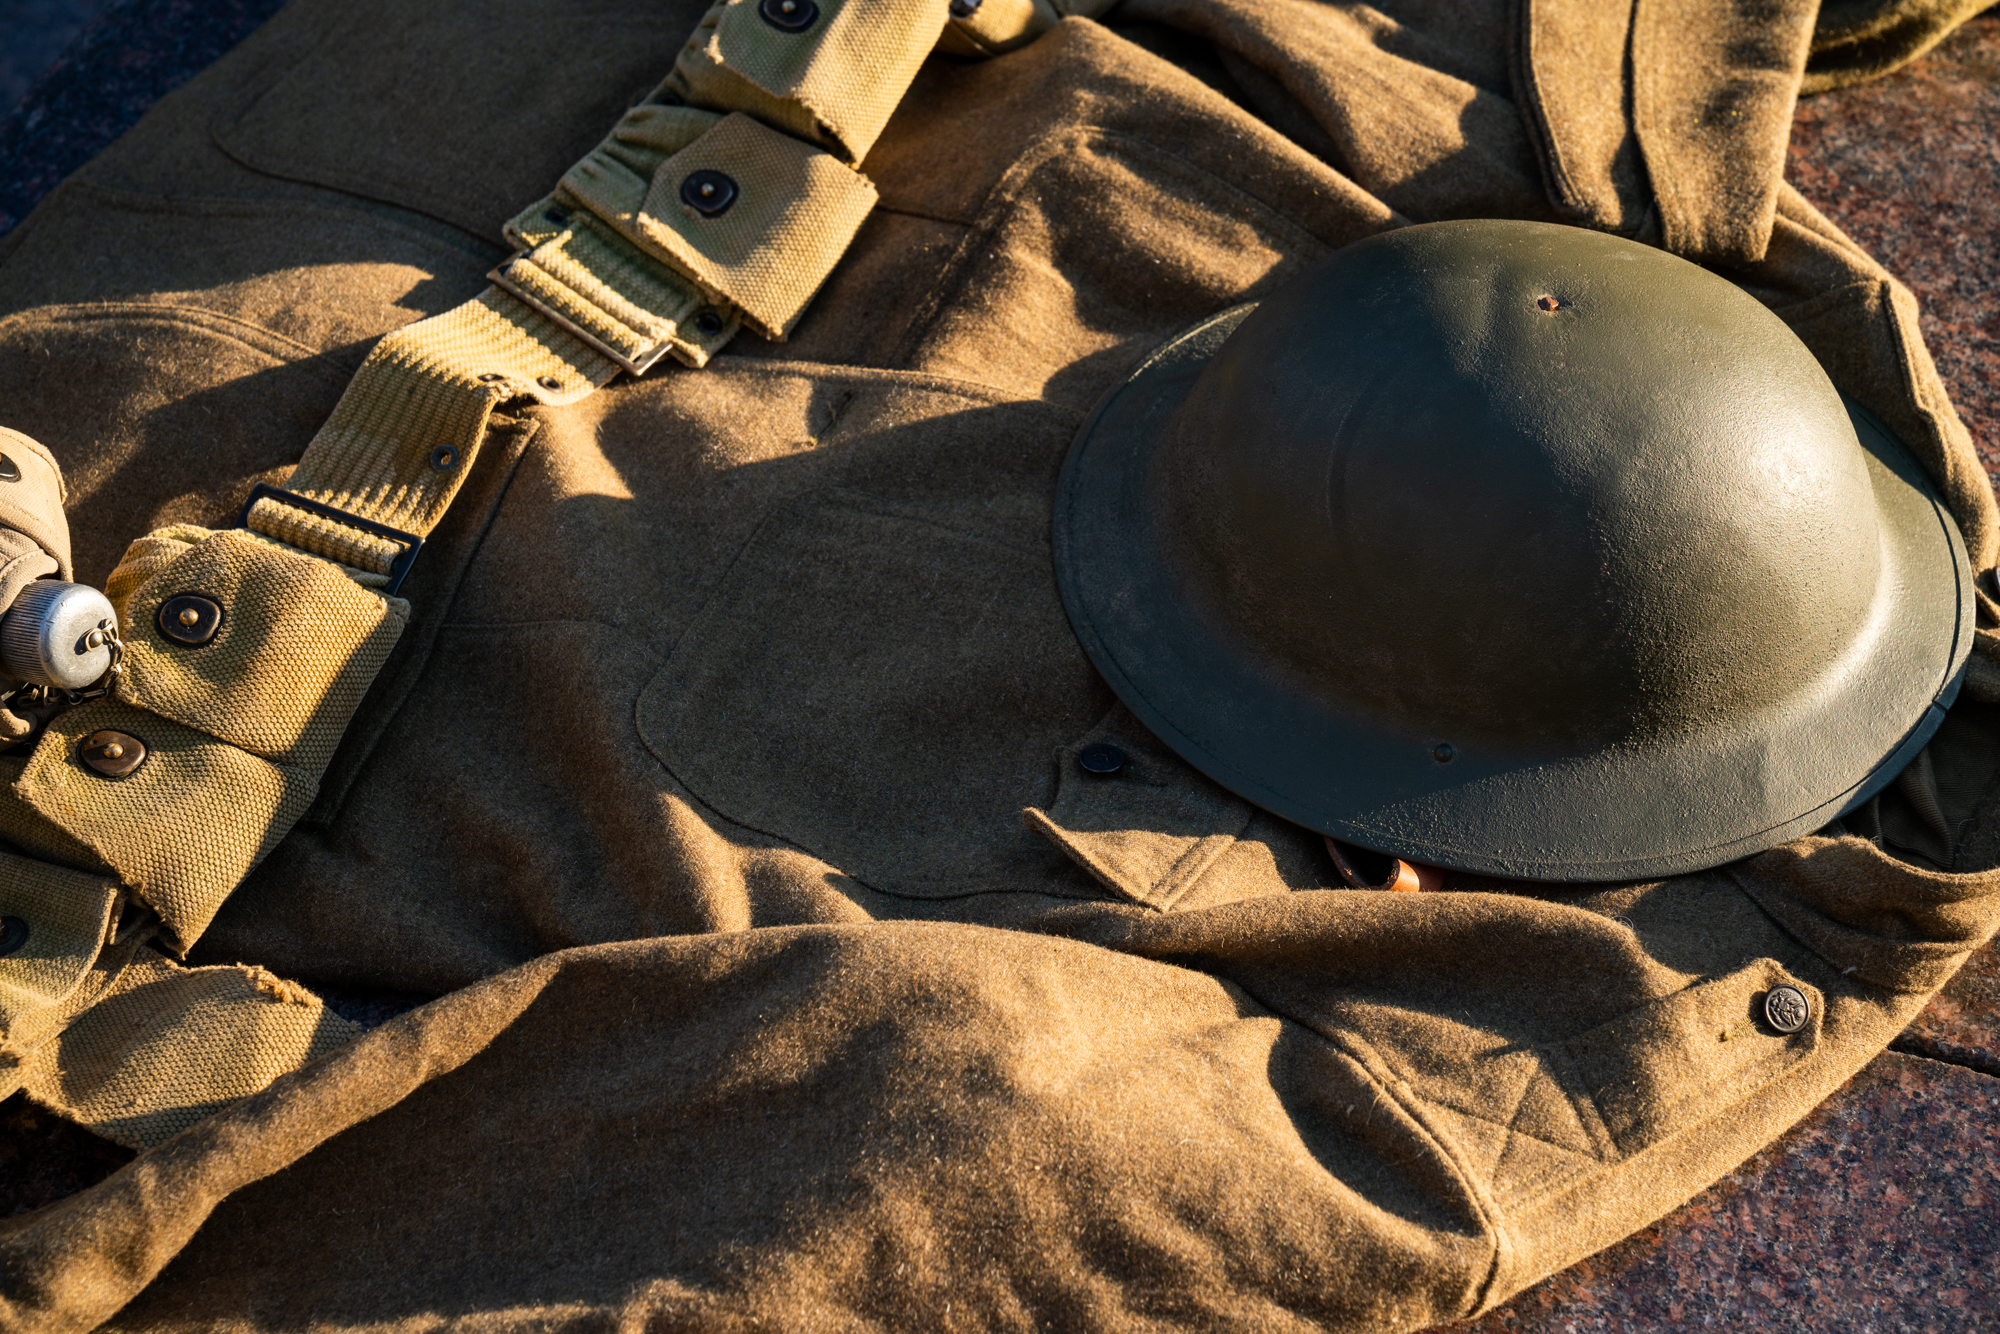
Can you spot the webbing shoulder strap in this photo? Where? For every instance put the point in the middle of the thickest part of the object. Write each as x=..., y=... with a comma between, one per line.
x=721, y=202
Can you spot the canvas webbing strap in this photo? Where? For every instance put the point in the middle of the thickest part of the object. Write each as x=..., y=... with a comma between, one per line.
x=722, y=202
x=404, y=435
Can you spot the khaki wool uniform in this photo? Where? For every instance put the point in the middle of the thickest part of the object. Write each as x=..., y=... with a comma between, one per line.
x=723, y=781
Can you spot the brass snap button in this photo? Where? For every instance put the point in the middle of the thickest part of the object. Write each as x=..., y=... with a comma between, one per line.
x=112, y=754
x=789, y=15
x=1786, y=1009
x=708, y=193
x=189, y=619
x=13, y=935
x=1102, y=759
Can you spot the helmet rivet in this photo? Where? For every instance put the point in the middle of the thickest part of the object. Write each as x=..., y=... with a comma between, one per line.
x=1443, y=752
x=1547, y=303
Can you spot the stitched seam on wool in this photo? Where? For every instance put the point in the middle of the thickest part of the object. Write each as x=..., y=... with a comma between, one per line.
x=165, y=312
x=1363, y=1056
x=1554, y=167
x=980, y=235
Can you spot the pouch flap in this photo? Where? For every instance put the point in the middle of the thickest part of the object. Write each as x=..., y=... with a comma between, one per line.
x=297, y=646
x=793, y=213
x=182, y=828
x=166, y=1046
x=834, y=79
x=60, y=917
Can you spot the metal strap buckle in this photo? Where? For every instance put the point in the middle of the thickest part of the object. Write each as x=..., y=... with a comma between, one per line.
x=638, y=365
x=399, y=568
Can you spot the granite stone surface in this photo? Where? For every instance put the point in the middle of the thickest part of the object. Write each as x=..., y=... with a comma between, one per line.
x=1880, y=1213
x=132, y=55
x=1909, y=166
x=32, y=34
x=1962, y=1022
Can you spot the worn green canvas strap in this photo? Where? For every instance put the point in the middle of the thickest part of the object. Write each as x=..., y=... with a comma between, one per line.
x=720, y=203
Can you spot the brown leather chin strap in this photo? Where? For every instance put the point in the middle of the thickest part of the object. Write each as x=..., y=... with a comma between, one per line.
x=1361, y=869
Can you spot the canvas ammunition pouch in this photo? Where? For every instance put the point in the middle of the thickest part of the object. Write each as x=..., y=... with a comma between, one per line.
x=721, y=202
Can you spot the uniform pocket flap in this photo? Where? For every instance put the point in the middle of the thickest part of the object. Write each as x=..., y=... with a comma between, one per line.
x=1136, y=816
x=882, y=688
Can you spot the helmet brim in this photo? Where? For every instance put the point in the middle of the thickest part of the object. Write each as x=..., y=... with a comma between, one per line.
x=1621, y=813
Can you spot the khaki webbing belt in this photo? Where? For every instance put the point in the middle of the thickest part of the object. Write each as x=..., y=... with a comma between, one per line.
x=403, y=437
x=723, y=201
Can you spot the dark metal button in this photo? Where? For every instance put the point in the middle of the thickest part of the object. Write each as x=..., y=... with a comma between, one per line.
x=708, y=322
x=189, y=619
x=1102, y=759
x=1786, y=1009
x=10, y=471
x=789, y=15
x=708, y=193
x=13, y=935
x=113, y=754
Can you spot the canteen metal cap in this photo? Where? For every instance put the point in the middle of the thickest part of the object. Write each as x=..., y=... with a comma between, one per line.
x=54, y=635
x=1518, y=549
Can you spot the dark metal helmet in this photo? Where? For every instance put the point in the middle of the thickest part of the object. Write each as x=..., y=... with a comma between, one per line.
x=1517, y=549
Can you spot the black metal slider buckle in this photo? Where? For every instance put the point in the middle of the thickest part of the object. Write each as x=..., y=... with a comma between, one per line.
x=399, y=568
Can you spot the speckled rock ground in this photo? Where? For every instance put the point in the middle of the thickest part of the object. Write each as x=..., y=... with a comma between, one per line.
x=32, y=34
x=1878, y=1214
x=129, y=56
